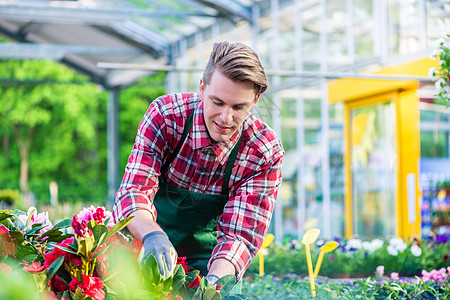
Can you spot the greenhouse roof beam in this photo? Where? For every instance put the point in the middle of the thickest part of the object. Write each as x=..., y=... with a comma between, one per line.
x=229, y=7
x=35, y=51
x=58, y=14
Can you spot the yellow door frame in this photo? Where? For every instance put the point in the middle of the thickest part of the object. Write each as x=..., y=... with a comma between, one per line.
x=360, y=92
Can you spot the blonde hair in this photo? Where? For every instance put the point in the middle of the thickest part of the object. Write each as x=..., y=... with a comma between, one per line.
x=237, y=62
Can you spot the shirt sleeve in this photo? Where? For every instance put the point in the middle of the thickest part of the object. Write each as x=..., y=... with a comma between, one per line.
x=247, y=215
x=140, y=181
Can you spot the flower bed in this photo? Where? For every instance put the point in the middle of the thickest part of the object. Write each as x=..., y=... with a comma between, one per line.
x=87, y=257
x=356, y=258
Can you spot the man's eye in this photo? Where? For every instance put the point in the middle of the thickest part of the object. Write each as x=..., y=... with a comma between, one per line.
x=218, y=103
x=238, y=107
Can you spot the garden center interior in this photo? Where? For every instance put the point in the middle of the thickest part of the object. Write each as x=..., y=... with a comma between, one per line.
x=367, y=145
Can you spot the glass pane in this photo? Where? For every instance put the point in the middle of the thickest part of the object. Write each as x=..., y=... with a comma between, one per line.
x=373, y=169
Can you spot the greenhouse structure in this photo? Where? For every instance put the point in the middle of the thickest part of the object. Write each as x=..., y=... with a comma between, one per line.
x=350, y=93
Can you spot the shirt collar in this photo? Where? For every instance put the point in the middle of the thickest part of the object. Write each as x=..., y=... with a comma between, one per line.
x=201, y=139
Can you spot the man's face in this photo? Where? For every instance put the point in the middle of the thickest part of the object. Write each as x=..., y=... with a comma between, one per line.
x=226, y=105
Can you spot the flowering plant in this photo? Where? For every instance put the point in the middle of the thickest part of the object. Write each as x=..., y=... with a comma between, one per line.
x=441, y=76
x=89, y=258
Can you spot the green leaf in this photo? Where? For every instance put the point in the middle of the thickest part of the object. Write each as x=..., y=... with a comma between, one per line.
x=66, y=249
x=18, y=212
x=85, y=246
x=227, y=283
x=167, y=284
x=4, y=216
x=150, y=270
x=18, y=235
x=54, y=267
x=179, y=277
x=119, y=226
x=99, y=231
x=211, y=294
x=63, y=224
x=100, y=252
x=192, y=275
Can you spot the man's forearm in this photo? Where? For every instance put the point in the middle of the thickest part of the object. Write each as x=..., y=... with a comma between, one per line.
x=142, y=223
x=222, y=267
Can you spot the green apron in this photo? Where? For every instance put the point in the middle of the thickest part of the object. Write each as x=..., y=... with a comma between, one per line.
x=190, y=218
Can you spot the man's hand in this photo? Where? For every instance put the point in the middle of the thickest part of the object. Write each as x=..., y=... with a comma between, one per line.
x=158, y=244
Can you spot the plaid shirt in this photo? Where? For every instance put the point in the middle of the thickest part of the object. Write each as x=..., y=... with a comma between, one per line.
x=200, y=167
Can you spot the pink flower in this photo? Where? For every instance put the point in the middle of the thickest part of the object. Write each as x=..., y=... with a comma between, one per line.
x=8, y=245
x=91, y=286
x=41, y=218
x=35, y=267
x=380, y=270
x=99, y=215
x=394, y=276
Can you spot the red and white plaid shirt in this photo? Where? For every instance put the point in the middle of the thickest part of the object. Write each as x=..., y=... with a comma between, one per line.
x=200, y=167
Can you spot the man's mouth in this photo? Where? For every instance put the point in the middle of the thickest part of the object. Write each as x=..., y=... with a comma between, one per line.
x=222, y=127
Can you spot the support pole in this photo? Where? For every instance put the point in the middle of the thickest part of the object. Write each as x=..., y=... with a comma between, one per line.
x=113, y=144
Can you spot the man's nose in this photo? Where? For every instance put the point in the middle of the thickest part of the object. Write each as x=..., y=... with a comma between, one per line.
x=226, y=115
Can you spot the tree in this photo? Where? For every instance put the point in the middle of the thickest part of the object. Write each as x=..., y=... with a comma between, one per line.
x=35, y=111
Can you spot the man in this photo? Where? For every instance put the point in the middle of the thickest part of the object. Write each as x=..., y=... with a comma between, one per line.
x=204, y=172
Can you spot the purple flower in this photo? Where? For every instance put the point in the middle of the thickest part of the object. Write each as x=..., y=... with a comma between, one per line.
x=331, y=257
x=441, y=239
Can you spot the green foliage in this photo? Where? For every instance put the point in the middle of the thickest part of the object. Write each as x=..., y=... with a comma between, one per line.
x=55, y=120
x=441, y=76
x=294, y=287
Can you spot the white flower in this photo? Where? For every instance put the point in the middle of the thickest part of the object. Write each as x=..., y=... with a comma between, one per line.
x=353, y=243
x=373, y=245
x=440, y=42
x=415, y=250
x=439, y=83
x=432, y=72
x=32, y=217
x=264, y=251
x=435, y=53
x=396, y=245
x=392, y=250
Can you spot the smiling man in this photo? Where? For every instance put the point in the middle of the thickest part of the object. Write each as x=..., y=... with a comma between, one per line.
x=204, y=172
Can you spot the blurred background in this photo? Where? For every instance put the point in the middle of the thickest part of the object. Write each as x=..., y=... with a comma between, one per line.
x=366, y=138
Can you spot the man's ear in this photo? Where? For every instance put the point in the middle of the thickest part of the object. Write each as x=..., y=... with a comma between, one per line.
x=201, y=88
x=256, y=100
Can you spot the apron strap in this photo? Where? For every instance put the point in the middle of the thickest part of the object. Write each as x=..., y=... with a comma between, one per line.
x=230, y=162
x=229, y=167
x=187, y=128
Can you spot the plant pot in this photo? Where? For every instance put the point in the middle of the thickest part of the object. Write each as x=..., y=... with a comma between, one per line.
x=340, y=275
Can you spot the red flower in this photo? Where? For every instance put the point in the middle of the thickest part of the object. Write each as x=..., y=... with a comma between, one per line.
x=8, y=245
x=91, y=286
x=182, y=261
x=195, y=282
x=218, y=287
x=35, y=267
x=99, y=215
x=79, y=228
x=56, y=253
x=57, y=285
x=5, y=269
